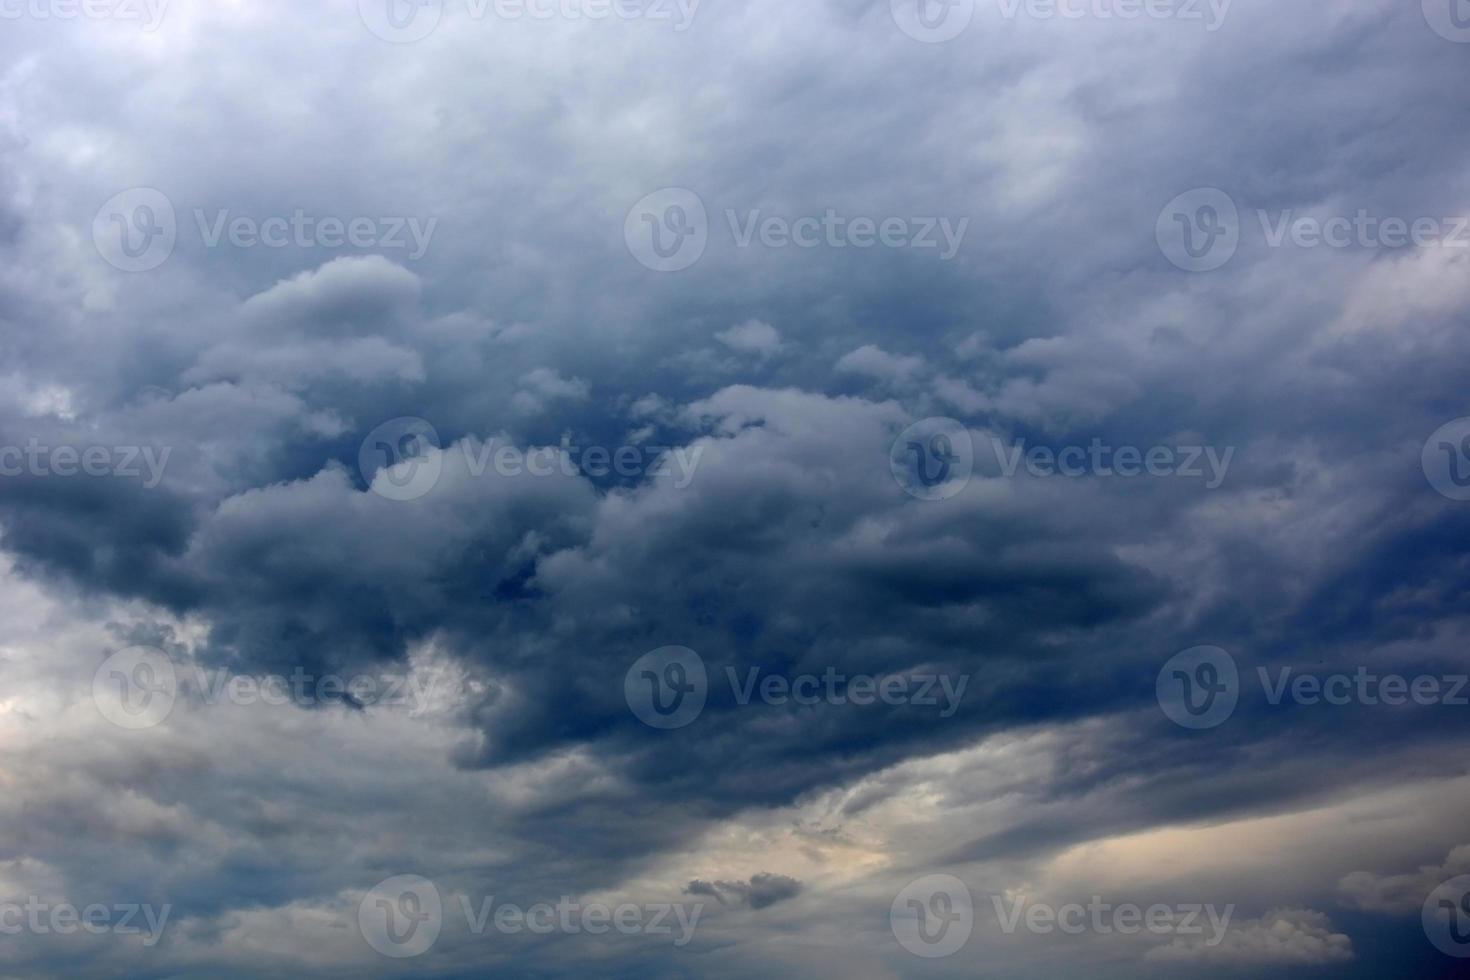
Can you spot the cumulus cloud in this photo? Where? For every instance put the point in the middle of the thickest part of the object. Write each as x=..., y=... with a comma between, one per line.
x=1285, y=937
x=1401, y=894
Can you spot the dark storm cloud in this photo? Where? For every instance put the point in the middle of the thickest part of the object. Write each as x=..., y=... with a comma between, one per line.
x=793, y=550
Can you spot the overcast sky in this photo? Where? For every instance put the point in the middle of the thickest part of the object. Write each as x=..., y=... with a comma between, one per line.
x=842, y=489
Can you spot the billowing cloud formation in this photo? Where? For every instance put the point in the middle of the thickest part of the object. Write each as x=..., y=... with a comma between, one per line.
x=508, y=455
